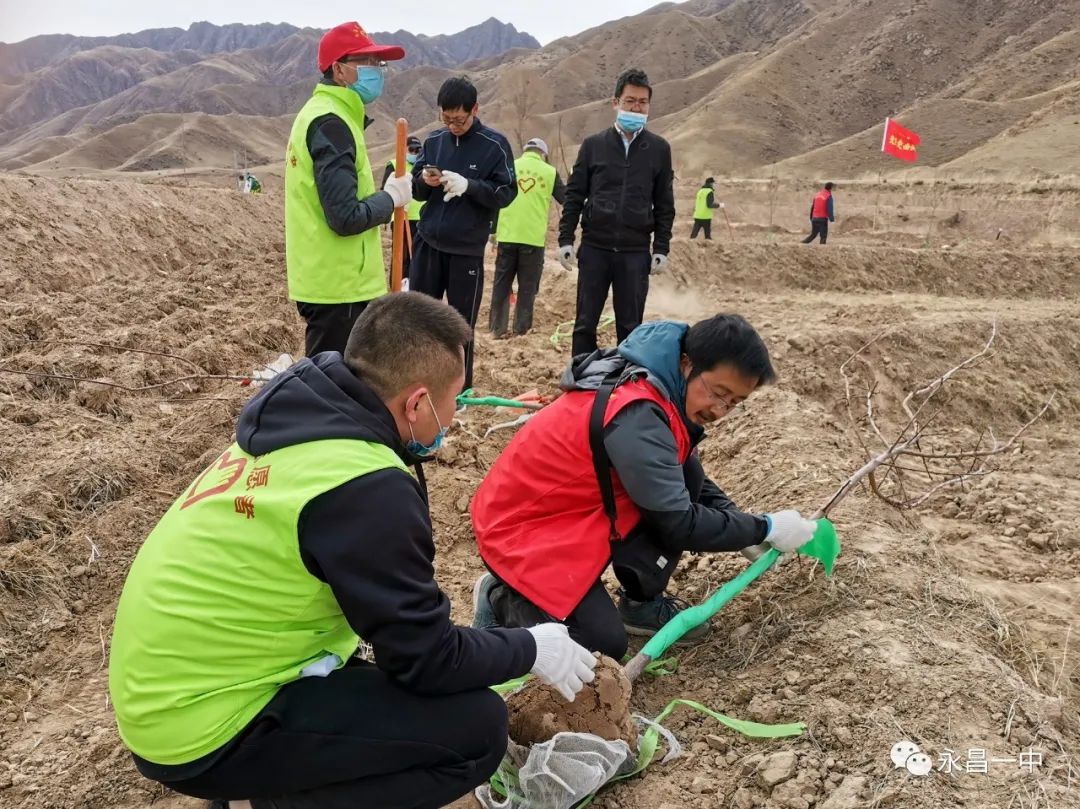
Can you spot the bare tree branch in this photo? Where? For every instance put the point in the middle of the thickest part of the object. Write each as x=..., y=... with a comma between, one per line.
x=936, y=469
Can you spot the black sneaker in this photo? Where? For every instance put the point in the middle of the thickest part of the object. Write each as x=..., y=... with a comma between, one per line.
x=483, y=614
x=644, y=618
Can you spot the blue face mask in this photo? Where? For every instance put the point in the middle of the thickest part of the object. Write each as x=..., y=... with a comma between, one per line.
x=410, y=158
x=631, y=122
x=419, y=450
x=369, y=83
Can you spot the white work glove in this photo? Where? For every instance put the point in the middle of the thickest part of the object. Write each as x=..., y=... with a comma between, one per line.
x=566, y=256
x=789, y=530
x=399, y=189
x=454, y=185
x=560, y=662
x=659, y=264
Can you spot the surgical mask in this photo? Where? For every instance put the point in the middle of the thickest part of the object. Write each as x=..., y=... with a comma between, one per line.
x=410, y=158
x=419, y=450
x=631, y=121
x=369, y=83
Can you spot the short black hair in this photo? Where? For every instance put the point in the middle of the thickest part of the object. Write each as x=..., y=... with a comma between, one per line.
x=828, y=186
x=728, y=339
x=457, y=93
x=405, y=338
x=710, y=180
x=634, y=76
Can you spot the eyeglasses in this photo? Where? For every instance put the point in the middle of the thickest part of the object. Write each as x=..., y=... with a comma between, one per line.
x=718, y=401
x=364, y=61
x=457, y=121
x=634, y=104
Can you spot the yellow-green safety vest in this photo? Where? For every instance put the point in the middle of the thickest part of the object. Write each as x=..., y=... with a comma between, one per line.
x=525, y=220
x=322, y=266
x=701, y=206
x=218, y=611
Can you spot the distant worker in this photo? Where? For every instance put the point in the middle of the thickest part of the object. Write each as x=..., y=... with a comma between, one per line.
x=704, y=206
x=465, y=174
x=333, y=250
x=621, y=191
x=821, y=214
x=521, y=235
x=251, y=184
x=413, y=146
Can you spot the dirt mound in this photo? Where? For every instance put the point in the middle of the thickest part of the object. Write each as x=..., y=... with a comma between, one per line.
x=538, y=711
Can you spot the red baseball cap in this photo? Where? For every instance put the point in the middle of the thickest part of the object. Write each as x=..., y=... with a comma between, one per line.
x=350, y=39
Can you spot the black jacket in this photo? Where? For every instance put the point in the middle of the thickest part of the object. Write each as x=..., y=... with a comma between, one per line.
x=333, y=154
x=370, y=539
x=644, y=455
x=483, y=157
x=625, y=201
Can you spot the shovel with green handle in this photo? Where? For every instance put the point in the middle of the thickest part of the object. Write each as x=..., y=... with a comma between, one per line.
x=823, y=546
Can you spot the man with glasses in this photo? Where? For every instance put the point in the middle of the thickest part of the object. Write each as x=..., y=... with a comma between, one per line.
x=333, y=251
x=465, y=174
x=621, y=191
x=609, y=474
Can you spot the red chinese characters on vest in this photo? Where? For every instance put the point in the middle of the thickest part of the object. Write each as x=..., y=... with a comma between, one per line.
x=539, y=517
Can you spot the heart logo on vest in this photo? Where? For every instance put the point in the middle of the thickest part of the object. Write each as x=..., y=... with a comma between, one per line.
x=526, y=184
x=231, y=470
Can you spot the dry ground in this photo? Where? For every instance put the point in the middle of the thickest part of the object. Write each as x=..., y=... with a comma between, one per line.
x=953, y=627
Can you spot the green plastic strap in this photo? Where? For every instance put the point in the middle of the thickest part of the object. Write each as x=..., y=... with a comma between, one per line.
x=505, y=778
x=494, y=401
x=566, y=328
x=510, y=686
x=662, y=668
x=695, y=616
x=823, y=546
x=651, y=738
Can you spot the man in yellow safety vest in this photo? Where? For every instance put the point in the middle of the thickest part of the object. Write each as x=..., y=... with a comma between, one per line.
x=333, y=251
x=704, y=206
x=521, y=234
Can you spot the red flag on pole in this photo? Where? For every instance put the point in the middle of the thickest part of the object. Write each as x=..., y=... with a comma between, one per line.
x=900, y=142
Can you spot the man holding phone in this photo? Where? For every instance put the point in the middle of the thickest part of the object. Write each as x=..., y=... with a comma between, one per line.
x=464, y=174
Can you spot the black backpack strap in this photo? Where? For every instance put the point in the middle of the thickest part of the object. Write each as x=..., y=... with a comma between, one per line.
x=601, y=462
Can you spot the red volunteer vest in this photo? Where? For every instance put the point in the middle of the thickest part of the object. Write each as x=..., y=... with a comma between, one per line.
x=821, y=205
x=538, y=515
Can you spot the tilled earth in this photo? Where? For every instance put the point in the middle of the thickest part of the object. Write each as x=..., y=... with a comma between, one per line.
x=949, y=626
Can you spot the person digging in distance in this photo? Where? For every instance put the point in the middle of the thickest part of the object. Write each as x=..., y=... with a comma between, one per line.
x=609, y=474
x=232, y=670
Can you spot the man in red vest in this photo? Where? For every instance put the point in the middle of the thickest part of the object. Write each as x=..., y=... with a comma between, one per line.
x=547, y=529
x=821, y=214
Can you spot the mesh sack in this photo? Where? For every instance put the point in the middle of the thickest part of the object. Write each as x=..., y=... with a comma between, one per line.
x=557, y=774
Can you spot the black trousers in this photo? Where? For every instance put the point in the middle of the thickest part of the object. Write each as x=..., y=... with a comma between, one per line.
x=702, y=225
x=818, y=227
x=522, y=262
x=328, y=325
x=406, y=254
x=642, y=563
x=355, y=739
x=626, y=275
x=459, y=278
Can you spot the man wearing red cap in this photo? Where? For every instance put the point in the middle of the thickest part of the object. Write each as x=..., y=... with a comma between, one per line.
x=333, y=251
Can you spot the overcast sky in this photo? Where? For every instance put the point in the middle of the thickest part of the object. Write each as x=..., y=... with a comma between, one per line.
x=544, y=19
